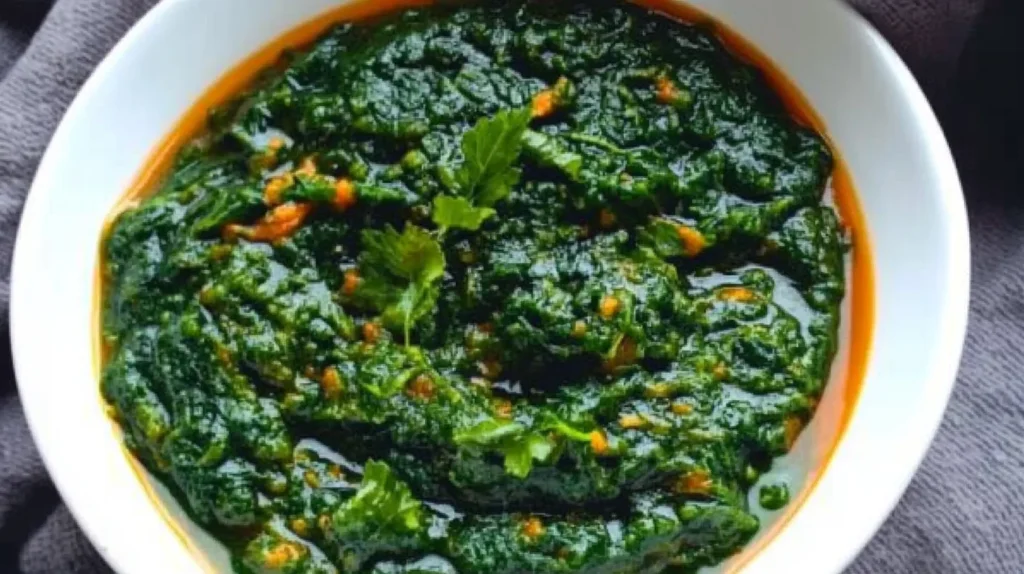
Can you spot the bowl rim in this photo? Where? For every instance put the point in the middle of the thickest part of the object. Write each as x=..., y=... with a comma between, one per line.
x=928, y=419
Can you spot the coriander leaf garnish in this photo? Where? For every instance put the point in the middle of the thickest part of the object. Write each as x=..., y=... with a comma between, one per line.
x=489, y=433
x=520, y=454
x=519, y=446
x=382, y=502
x=383, y=510
x=459, y=212
x=400, y=274
x=490, y=151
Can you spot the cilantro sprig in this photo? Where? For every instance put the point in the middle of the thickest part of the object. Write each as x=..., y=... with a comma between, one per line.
x=401, y=275
x=383, y=512
x=401, y=272
x=521, y=446
x=490, y=151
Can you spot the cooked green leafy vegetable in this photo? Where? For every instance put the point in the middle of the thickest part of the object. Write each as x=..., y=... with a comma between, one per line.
x=547, y=151
x=515, y=286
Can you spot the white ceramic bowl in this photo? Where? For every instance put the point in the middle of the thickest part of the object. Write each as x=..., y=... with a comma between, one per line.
x=873, y=110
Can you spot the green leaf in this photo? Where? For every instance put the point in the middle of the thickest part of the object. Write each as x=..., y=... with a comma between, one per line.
x=310, y=188
x=446, y=175
x=384, y=195
x=320, y=189
x=459, y=212
x=218, y=207
x=554, y=423
x=519, y=447
x=498, y=187
x=382, y=502
x=489, y=433
x=540, y=447
x=400, y=273
x=414, y=303
x=518, y=460
x=520, y=453
x=394, y=385
x=662, y=237
x=413, y=255
x=549, y=151
x=383, y=511
x=491, y=149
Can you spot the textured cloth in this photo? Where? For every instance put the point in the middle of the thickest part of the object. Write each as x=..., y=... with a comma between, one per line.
x=964, y=512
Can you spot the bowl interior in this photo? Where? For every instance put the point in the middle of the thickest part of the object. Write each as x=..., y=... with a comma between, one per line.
x=872, y=109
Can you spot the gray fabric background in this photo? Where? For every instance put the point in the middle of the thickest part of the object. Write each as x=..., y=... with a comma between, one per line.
x=964, y=511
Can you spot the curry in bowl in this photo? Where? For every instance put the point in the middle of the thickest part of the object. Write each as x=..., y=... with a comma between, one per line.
x=497, y=288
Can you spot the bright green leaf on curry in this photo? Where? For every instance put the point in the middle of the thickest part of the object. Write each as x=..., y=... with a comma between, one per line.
x=459, y=212
x=519, y=447
x=489, y=433
x=510, y=287
x=490, y=151
x=383, y=513
x=520, y=454
x=488, y=171
x=401, y=274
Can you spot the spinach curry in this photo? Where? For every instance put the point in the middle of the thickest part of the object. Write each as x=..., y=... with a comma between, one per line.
x=500, y=288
